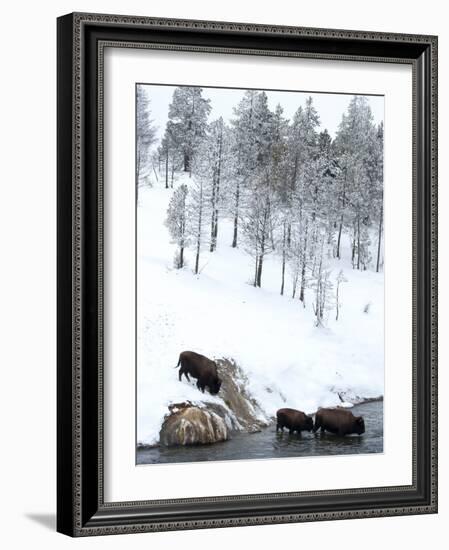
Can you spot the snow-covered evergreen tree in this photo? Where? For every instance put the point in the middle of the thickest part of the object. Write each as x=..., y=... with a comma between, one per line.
x=145, y=135
x=176, y=222
x=258, y=223
x=169, y=156
x=199, y=203
x=354, y=143
x=322, y=286
x=261, y=164
x=188, y=113
x=245, y=155
x=375, y=165
x=220, y=165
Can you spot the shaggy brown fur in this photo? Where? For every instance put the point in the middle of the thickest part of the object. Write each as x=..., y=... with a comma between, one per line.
x=200, y=367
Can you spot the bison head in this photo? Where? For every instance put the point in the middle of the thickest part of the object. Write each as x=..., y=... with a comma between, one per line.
x=359, y=425
x=215, y=387
x=309, y=423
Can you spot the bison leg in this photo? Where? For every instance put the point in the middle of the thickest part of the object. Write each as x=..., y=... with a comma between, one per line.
x=182, y=371
x=317, y=425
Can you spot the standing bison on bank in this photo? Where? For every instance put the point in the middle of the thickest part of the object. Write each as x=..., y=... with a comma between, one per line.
x=338, y=421
x=200, y=367
x=295, y=421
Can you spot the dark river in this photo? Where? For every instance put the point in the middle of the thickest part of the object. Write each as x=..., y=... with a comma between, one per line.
x=269, y=444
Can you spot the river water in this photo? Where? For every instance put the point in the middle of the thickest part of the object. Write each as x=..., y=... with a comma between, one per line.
x=269, y=444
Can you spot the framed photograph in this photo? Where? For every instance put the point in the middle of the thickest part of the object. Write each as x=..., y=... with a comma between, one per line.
x=247, y=274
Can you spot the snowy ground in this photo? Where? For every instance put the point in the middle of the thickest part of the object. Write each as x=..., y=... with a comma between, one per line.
x=288, y=361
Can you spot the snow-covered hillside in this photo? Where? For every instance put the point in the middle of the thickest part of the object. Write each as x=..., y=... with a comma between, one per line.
x=287, y=359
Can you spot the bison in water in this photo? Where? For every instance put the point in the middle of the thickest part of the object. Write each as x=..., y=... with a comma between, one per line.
x=295, y=421
x=339, y=421
x=201, y=368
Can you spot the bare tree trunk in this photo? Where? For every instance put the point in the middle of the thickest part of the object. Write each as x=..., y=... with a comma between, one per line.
x=236, y=215
x=256, y=270
x=379, y=241
x=284, y=237
x=353, y=246
x=212, y=221
x=319, y=290
x=343, y=200
x=260, y=263
x=181, y=257
x=198, y=235
x=295, y=285
x=166, y=169
x=217, y=191
x=172, y=174
x=155, y=172
x=303, y=266
x=358, y=242
x=339, y=237
x=138, y=167
x=264, y=237
x=259, y=271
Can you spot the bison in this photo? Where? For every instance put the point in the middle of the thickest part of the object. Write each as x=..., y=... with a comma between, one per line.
x=201, y=368
x=295, y=421
x=339, y=421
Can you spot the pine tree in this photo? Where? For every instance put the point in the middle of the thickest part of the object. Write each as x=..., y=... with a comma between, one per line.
x=243, y=148
x=297, y=258
x=375, y=174
x=187, y=115
x=322, y=287
x=354, y=142
x=218, y=138
x=279, y=176
x=176, y=222
x=252, y=130
x=170, y=156
x=257, y=225
x=199, y=204
x=259, y=210
x=145, y=135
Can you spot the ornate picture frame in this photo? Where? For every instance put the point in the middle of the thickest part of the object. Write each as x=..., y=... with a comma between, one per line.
x=81, y=507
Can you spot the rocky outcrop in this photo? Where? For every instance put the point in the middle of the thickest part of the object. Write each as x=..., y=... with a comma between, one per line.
x=237, y=398
x=204, y=422
x=188, y=424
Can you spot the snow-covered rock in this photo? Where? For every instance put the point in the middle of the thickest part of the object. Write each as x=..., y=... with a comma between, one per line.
x=234, y=392
x=191, y=425
x=209, y=422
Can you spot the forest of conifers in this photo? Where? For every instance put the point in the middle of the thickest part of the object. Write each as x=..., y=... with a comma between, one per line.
x=288, y=188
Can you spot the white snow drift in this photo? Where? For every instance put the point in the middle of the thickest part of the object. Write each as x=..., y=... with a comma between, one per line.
x=287, y=359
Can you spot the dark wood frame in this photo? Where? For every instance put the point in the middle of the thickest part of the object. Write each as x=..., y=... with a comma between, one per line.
x=81, y=509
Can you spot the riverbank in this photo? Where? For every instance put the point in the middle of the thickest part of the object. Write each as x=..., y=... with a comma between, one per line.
x=269, y=444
